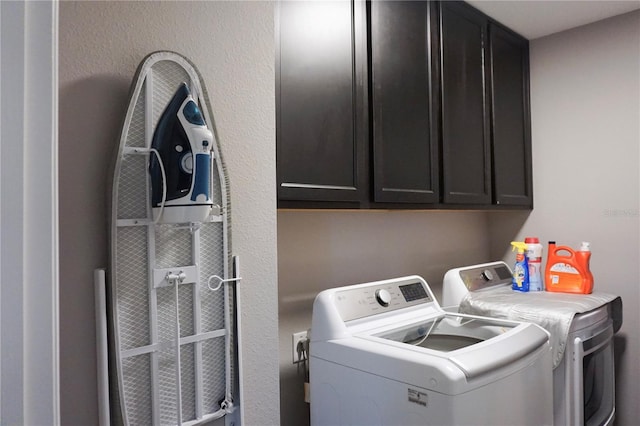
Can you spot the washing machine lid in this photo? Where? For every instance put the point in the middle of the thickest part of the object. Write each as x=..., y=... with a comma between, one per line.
x=476, y=345
x=448, y=332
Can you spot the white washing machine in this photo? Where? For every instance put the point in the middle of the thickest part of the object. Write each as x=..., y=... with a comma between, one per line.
x=385, y=353
x=581, y=329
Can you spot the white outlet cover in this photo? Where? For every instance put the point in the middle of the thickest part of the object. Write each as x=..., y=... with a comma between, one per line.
x=295, y=338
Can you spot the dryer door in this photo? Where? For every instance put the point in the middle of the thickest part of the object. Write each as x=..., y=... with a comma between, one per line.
x=592, y=373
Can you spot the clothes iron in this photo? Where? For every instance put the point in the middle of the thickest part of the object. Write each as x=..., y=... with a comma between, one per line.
x=180, y=181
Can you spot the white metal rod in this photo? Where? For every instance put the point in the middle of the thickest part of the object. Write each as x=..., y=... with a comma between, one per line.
x=186, y=340
x=238, y=316
x=153, y=326
x=228, y=324
x=102, y=346
x=206, y=418
x=177, y=342
x=151, y=257
x=197, y=326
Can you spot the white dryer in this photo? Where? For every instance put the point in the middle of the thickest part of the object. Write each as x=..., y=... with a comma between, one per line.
x=581, y=331
x=385, y=353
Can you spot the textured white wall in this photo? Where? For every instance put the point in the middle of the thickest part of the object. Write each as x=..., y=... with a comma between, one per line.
x=232, y=44
x=324, y=249
x=585, y=113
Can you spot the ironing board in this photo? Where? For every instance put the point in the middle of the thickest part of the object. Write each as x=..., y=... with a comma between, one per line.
x=170, y=285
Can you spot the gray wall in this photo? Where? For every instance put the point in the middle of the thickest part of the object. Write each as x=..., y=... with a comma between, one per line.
x=585, y=102
x=232, y=44
x=324, y=249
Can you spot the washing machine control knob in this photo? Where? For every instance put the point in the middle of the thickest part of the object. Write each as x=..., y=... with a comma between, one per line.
x=383, y=297
x=487, y=275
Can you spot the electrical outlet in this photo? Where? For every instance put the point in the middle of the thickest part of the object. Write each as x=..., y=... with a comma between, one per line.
x=300, y=336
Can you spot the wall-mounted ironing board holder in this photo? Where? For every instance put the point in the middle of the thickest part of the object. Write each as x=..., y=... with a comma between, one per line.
x=173, y=305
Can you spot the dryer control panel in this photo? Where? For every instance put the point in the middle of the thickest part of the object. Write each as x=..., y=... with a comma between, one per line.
x=383, y=296
x=486, y=276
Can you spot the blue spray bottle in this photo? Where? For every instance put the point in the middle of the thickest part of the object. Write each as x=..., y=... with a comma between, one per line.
x=520, y=281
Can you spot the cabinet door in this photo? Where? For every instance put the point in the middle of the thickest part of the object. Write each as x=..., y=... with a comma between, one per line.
x=465, y=121
x=321, y=101
x=510, y=118
x=405, y=147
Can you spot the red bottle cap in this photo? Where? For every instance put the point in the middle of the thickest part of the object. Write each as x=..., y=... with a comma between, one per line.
x=531, y=240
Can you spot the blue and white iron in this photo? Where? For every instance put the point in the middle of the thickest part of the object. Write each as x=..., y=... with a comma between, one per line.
x=180, y=181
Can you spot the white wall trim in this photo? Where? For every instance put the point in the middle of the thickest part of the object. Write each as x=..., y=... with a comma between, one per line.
x=29, y=349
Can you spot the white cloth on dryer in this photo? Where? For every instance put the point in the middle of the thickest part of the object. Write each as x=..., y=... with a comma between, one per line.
x=552, y=311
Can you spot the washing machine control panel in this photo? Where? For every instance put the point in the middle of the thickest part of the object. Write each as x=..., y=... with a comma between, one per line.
x=363, y=301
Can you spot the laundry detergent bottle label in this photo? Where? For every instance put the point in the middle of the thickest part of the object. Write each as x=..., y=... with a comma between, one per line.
x=520, y=273
x=520, y=281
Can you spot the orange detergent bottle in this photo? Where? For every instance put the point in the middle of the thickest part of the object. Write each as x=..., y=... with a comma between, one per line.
x=568, y=273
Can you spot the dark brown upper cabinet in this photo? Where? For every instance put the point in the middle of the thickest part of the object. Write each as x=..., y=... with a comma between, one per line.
x=466, y=145
x=403, y=39
x=321, y=97
x=510, y=118
x=400, y=104
x=486, y=137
